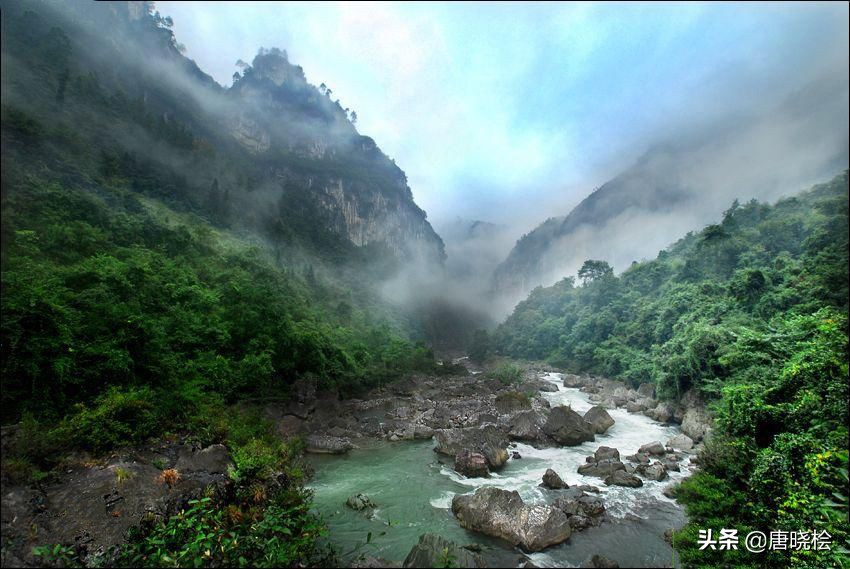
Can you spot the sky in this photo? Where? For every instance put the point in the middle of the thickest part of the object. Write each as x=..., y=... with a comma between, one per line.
x=512, y=112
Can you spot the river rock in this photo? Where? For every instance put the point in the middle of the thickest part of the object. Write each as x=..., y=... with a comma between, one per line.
x=639, y=457
x=681, y=442
x=503, y=514
x=567, y=427
x=603, y=453
x=527, y=426
x=655, y=471
x=515, y=455
x=696, y=423
x=634, y=407
x=471, y=464
x=655, y=448
x=671, y=465
x=670, y=490
x=662, y=413
x=601, y=469
x=321, y=444
x=599, y=419
x=434, y=551
x=509, y=402
x=488, y=440
x=552, y=481
x=622, y=478
x=360, y=502
x=646, y=390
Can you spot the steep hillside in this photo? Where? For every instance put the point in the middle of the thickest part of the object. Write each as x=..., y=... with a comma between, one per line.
x=272, y=154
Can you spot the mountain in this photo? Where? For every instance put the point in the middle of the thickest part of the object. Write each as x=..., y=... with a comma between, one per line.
x=678, y=186
x=271, y=154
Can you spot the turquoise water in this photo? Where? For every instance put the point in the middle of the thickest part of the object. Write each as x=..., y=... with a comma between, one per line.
x=413, y=490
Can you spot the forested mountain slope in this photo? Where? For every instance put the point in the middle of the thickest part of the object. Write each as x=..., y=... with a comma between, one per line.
x=752, y=314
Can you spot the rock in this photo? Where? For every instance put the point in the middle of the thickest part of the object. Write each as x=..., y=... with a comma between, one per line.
x=622, y=478
x=471, y=464
x=670, y=490
x=369, y=562
x=671, y=465
x=360, y=502
x=571, y=380
x=634, y=407
x=696, y=423
x=603, y=453
x=527, y=426
x=600, y=562
x=503, y=514
x=681, y=442
x=320, y=444
x=579, y=522
x=214, y=459
x=601, y=469
x=552, y=481
x=646, y=390
x=591, y=506
x=668, y=535
x=433, y=551
x=599, y=419
x=422, y=432
x=588, y=488
x=567, y=427
x=661, y=413
x=655, y=471
x=654, y=447
x=509, y=402
x=515, y=455
x=488, y=440
x=640, y=457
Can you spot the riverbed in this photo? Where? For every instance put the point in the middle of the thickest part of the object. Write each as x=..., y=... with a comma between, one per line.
x=413, y=488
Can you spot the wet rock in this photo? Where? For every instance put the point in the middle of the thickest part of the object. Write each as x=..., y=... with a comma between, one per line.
x=655, y=471
x=640, y=457
x=668, y=535
x=622, y=478
x=567, y=427
x=601, y=469
x=527, y=426
x=655, y=448
x=603, y=453
x=360, y=502
x=681, y=442
x=591, y=506
x=600, y=562
x=634, y=407
x=471, y=464
x=421, y=432
x=488, y=440
x=661, y=413
x=599, y=419
x=320, y=444
x=369, y=562
x=515, y=455
x=503, y=514
x=579, y=522
x=552, y=481
x=433, y=551
x=670, y=490
x=588, y=488
x=671, y=465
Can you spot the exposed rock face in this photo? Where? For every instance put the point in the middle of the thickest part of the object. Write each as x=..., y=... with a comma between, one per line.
x=567, y=427
x=487, y=440
x=623, y=478
x=696, y=424
x=320, y=444
x=433, y=551
x=552, y=481
x=599, y=419
x=471, y=464
x=503, y=514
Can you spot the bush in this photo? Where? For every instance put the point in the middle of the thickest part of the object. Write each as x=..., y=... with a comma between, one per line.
x=507, y=373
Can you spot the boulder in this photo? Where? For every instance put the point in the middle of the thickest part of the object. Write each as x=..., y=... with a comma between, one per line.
x=599, y=419
x=654, y=448
x=369, y=562
x=622, y=478
x=515, y=455
x=552, y=481
x=634, y=407
x=433, y=551
x=670, y=490
x=360, y=502
x=509, y=402
x=471, y=464
x=640, y=457
x=591, y=506
x=601, y=469
x=488, y=440
x=321, y=444
x=503, y=514
x=655, y=471
x=681, y=442
x=526, y=426
x=662, y=413
x=646, y=390
x=696, y=423
x=603, y=453
x=214, y=459
x=567, y=427
x=600, y=562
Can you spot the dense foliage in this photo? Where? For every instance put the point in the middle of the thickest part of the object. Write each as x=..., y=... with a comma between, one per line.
x=752, y=313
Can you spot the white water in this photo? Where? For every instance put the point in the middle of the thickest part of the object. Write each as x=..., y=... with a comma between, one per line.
x=633, y=538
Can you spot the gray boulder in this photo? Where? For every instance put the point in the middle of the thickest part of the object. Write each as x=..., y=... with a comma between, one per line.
x=600, y=562
x=488, y=440
x=646, y=390
x=655, y=471
x=603, y=453
x=599, y=418
x=526, y=426
x=433, y=551
x=623, y=478
x=503, y=514
x=696, y=423
x=214, y=459
x=360, y=502
x=552, y=481
x=321, y=444
x=654, y=448
x=471, y=464
x=681, y=442
x=567, y=427
x=601, y=469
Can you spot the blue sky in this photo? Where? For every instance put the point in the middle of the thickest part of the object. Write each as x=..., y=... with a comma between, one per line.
x=511, y=111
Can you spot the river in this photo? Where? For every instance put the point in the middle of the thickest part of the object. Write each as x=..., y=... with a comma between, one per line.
x=413, y=489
